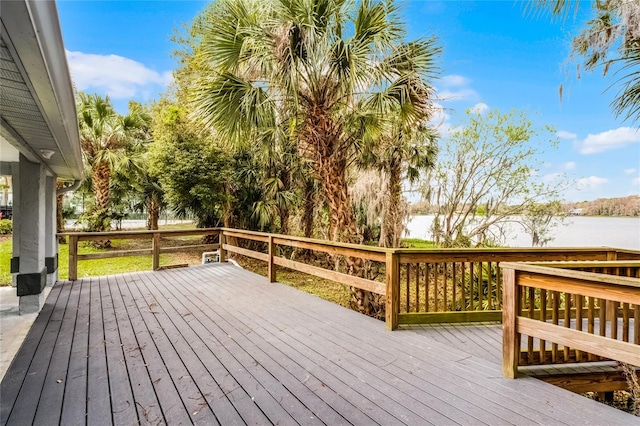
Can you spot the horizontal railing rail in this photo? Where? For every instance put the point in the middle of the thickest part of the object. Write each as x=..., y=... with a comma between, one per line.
x=154, y=236
x=331, y=248
x=563, y=312
x=457, y=285
x=419, y=285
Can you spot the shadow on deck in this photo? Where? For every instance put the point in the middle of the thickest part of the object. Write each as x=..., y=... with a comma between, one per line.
x=216, y=344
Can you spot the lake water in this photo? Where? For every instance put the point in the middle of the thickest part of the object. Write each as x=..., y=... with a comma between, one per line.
x=577, y=231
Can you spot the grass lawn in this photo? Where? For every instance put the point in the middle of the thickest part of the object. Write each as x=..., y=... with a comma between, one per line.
x=117, y=265
x=86, y=268
x=418, y=243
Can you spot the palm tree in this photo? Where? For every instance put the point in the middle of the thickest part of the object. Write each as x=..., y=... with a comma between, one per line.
x=105, y=137
x=404, y=152
x=611, y=37
x=325, y=71
x=294, y=62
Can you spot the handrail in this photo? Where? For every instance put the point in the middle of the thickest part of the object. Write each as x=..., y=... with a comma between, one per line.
x=154, y=235
x=593, y=315
x=430, y=282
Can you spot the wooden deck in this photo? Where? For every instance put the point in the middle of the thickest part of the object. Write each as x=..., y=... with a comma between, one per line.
x=484, y=341
x=215, y=344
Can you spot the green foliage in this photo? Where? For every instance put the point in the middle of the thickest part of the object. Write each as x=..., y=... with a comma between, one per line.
x=109, y=144
x=540, y=219
x=6, y=226
x=6, y=253
x=291, y=76
x=609, y=39
x=486, y=178
x=195, y=173
x=97, y=219
x=418, y=243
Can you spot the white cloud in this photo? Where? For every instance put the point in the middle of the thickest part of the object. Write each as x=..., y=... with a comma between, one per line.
x=636, y=181
x=441, y=120
x=591, y=182
x=563, y=134
x=480, y=108
x=117, y=76
x=630, y=172
x=570, y=165
x=455, y=88
x=460, y=94
x=454, y=80
x=611, y=139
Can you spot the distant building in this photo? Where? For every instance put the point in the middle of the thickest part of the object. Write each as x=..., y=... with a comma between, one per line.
x=575, y=212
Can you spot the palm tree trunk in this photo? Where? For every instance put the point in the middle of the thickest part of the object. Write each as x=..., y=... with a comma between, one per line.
x=308, y=209
x=153, y=214
x=344, y=228
x=393, y=219
x=100, y=181
x=284, y=221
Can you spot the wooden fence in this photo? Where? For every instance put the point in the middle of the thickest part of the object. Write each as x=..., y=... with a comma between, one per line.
x=154, y=236
x=419, y=285
x=570, y=312
x=458, y=285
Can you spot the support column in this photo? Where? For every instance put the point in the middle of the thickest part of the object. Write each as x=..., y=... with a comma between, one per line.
x=15, y=259
x=51, y=242
x=30, y=218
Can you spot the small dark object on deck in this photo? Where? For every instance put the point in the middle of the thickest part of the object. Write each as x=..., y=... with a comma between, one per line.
x=180, y=265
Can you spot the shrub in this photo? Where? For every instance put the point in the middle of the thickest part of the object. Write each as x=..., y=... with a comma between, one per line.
x=5, y=226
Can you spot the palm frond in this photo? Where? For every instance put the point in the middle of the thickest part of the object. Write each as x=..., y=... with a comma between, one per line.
x=627, y=103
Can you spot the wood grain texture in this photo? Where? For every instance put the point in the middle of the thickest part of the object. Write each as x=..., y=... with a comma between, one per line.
x=510, y=333
x=213, y=344
x=350, y=280
x=594, y=344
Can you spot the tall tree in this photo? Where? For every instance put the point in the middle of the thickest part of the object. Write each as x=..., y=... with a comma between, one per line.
x=105, y=137
x=406, y=150
x=295, y=62
x=191, y=169
x=325, y=71
x=487, y=176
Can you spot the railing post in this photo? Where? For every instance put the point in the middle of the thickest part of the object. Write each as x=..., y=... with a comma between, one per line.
x=155, y=246
x=272, y=267
x=392, y=308
x=612, y=307
x=223, y=252
x=511, y=294
x=73, y=257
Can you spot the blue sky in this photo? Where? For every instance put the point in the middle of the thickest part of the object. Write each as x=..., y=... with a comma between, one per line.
x=495, y=55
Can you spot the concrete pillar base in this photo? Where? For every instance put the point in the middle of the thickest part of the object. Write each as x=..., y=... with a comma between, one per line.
x=52, y=278
x=31, y=304
x=15, y=270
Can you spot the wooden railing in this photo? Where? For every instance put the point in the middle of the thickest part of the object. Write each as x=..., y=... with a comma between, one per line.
x=154, y=236
x=459, y=285
x=570, y=312
x=419, y=285
x=269, y=254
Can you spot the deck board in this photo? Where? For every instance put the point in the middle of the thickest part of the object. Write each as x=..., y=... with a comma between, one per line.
x=215, y=344
x=50, y=403
x=436, y=367
x=72, y=411
x=123, y=408
x=144, y=398
x=34, y=379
